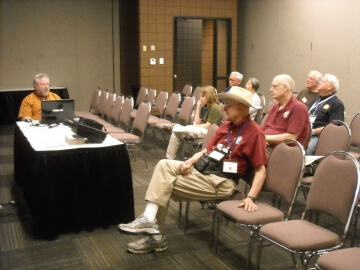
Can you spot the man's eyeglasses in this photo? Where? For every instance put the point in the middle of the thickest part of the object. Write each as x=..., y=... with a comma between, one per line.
x=276, y=85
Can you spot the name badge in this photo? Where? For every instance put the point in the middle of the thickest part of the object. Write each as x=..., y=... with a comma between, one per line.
x=312, y=119
x=238, y=140
x=230, y=167
x=217, y=155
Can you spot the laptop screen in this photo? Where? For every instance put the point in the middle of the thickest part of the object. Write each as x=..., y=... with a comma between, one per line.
x=55, y=111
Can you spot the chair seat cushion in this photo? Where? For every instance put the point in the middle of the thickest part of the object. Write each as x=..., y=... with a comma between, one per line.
x=126, y=137
x=300, y=235
x=163, y=124
x=263, y=215
x=153, y=119
x=342, y=259
x=83, y=114
x=114, y=130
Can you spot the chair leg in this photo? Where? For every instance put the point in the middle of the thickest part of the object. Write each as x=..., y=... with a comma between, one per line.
x=142, y=154
x=293, y=256
x=258, y=257
x=186, y=216
x=180, y=212
x=212, y=232
x=250, y=247
x=305, y=190
x=218, y=219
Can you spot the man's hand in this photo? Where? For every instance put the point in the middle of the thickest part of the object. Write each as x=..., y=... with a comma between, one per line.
x=185, y=167
x=248, y=205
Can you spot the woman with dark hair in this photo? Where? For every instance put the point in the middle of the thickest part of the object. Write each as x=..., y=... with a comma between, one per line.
x=253, y=85
x=202, y=121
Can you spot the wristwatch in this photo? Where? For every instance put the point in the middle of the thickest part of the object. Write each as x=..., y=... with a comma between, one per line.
x=252, y=198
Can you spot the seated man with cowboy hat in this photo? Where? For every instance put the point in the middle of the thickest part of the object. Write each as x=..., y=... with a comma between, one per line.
x=238, y=146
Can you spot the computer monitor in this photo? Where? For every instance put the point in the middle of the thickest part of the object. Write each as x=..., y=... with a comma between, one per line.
x=55, y=111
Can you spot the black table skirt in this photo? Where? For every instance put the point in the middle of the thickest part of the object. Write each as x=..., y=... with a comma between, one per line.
x=74, y=190
x=10, y=101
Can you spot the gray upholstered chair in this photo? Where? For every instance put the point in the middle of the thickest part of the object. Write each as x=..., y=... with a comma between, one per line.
x=334, y=137
x=135, y=137
x=123, y=124
x=284, y=171
x=333, y=194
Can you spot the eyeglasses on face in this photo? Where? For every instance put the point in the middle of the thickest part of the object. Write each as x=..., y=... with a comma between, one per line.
x=274, y=86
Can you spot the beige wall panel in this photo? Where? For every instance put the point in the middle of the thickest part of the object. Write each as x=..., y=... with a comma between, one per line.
x=18, y=45
x=292, y=37
x=70, y=40
x=95, y=65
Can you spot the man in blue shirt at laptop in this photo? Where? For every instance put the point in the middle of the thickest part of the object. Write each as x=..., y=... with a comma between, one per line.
x=31, y=105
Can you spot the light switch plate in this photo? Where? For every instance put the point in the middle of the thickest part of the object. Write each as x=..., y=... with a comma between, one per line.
x=152, y=61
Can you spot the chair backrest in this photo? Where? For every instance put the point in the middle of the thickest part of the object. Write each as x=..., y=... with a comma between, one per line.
x=186, y=110
x=285, y=170
x=187, y=89
x=335, y=188
x=260, y=112
x=263, y=120
x=223, y=113
x=151, y=96
x=108, y=106
x=335, y=136
x=95, y=99
x=197, y=93
x=116, y=110
x=172, y=106
x=125, y=115
x=143, y=91
x=271, y=104
x=160, y=104
x=211, y=132
x=141, y=118
x=102, y=101
x=355, y=130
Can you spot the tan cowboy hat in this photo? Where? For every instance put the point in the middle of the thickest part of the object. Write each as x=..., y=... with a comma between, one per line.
x=240, y=95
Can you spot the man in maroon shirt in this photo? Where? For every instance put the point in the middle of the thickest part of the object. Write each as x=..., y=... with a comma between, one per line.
x=242, y=144
x=289, y=119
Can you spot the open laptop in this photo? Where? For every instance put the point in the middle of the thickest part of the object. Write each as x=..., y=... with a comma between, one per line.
x=55, y=111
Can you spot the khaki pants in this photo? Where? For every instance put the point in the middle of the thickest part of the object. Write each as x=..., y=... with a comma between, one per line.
x=177, y=136
x=167, y=182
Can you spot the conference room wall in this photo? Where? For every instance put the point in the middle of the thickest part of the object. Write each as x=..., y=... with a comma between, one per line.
x=296, y=36
x=76, y=42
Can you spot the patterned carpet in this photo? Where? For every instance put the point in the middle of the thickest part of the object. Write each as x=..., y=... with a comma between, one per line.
x=105, y=248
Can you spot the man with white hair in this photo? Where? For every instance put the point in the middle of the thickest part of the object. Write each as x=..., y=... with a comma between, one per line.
x=289, y=119
x=324, y=109
x=310, y=92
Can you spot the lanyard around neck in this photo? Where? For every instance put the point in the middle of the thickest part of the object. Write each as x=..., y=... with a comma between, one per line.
x=318, y=103
x=231, y=145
